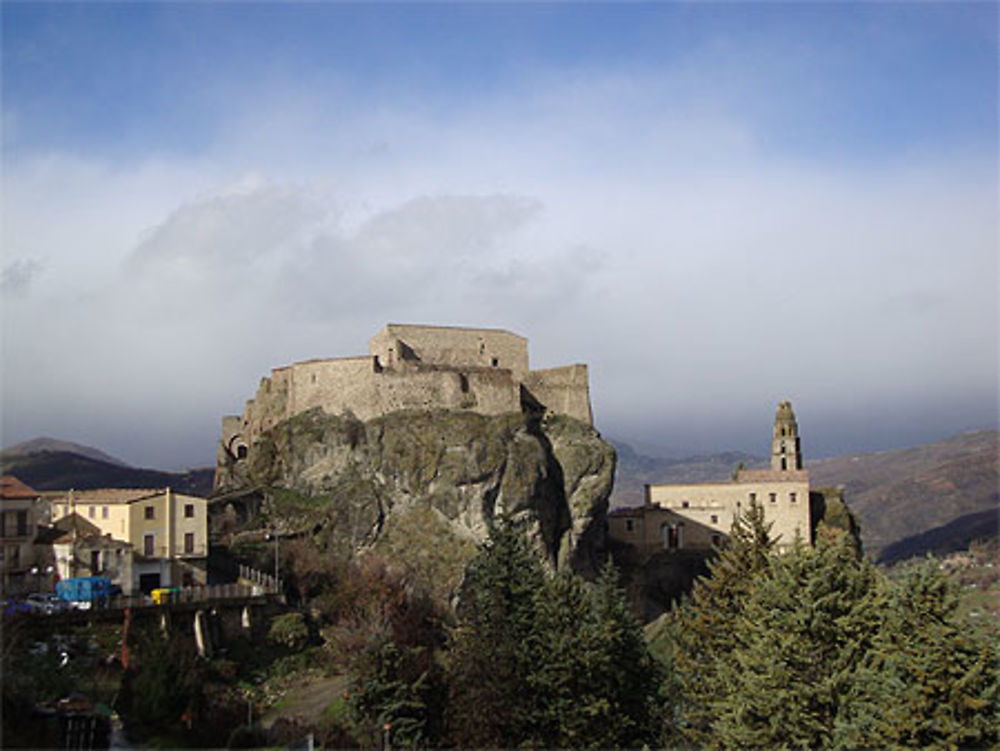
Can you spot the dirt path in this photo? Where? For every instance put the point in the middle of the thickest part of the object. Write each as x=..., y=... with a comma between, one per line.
x=308, y=700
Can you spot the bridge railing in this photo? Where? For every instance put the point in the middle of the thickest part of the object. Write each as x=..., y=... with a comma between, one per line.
x=182, y=595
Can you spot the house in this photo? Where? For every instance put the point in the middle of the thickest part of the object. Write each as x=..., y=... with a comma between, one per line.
x=18, y=531
x=163, y=534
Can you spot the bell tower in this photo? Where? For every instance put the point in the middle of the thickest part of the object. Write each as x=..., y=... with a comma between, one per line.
x=786, y=451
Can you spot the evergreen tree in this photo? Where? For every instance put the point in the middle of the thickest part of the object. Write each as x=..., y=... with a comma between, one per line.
x=928, y=681
x=492, y=663
x=797, y=645
x=703, y=628
x=548, y=661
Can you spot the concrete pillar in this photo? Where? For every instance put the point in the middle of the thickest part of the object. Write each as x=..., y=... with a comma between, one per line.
x=201, y=636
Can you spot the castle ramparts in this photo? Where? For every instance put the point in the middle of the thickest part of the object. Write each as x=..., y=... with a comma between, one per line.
x=413, y=367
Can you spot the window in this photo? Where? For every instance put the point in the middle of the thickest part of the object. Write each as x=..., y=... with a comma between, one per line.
x=189, y=511
x=630, y=525
x=150, y=512
x=753, y=497
x=189, y=542
x=463, y=383
x=3, y=524
x=685, y=504
x=671, y=536
x=104, y=512
x=495, y=362
x=92, y=511
x=715, y=518
x=22, y=523
x=773, y=497
x=791, y=497
x=147, y=545
x=784, y=463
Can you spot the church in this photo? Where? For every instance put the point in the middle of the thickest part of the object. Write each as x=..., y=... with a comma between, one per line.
x=698, y=516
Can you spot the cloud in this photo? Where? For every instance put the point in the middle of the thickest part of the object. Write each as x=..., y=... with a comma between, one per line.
x=17, y=276
x=701, y=278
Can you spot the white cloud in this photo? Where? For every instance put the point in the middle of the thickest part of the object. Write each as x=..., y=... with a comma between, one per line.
x=695, y=275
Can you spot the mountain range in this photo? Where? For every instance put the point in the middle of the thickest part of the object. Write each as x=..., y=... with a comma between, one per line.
x=934, y=497
x=900, y=497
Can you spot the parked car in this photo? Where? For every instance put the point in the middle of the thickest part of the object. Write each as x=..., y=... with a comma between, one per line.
x=45, y=603
x=15, y=607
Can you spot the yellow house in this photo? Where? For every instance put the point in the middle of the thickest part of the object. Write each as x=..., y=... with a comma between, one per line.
x=168, y=531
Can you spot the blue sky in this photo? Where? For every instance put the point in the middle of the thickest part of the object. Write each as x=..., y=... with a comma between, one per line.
x=715, y=205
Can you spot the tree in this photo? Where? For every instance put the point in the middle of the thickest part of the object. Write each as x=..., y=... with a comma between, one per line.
x=548, y=661
x=928, y=681
x=796, y=648
x=703, y=626
x=495, y=647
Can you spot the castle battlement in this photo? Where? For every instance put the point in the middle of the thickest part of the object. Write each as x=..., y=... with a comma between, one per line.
x=413, y=367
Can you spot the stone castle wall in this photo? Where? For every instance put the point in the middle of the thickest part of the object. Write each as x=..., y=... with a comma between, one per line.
x=412, y=367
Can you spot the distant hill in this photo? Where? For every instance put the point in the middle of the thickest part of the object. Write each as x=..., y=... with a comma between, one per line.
x=636, y=470
x=896, y=495
x=63, y=470
x=953, y=537
x=38, y=445
x=899, y=494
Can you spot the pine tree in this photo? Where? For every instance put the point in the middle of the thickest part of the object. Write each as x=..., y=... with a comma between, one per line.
x=493, y=690
x=703, y=627
x=928, y=682
x=797, y=645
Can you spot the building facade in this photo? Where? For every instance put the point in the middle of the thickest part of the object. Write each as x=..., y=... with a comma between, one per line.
x=166, y=534
x=18, y=532
x=699, y=516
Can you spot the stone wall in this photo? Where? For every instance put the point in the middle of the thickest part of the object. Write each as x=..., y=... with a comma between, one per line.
x=410, y=367
x=450, y=346
x=565, y=390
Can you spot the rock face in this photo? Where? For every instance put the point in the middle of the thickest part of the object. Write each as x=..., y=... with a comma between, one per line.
x=423, y=487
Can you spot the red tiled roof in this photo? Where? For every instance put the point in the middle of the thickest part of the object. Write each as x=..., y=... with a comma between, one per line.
x=11, y=487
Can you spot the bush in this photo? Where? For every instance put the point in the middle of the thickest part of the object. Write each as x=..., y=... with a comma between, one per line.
x=289, y=630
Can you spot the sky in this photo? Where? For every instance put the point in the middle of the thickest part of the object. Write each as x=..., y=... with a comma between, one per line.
x=716, y=206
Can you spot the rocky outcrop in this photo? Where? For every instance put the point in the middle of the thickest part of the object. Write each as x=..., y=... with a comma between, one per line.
x=423, y=487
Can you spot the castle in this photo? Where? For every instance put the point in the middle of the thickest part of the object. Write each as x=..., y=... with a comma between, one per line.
x=699, y=516
x=412, y=367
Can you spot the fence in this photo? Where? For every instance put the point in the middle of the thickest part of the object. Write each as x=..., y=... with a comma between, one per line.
x=268, y=582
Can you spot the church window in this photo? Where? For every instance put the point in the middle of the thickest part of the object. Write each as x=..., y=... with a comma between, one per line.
x=241, y=452
x=463, y=382
x=784, y=463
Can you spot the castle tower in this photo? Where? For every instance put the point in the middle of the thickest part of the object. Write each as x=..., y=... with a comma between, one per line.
x=786, y=451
